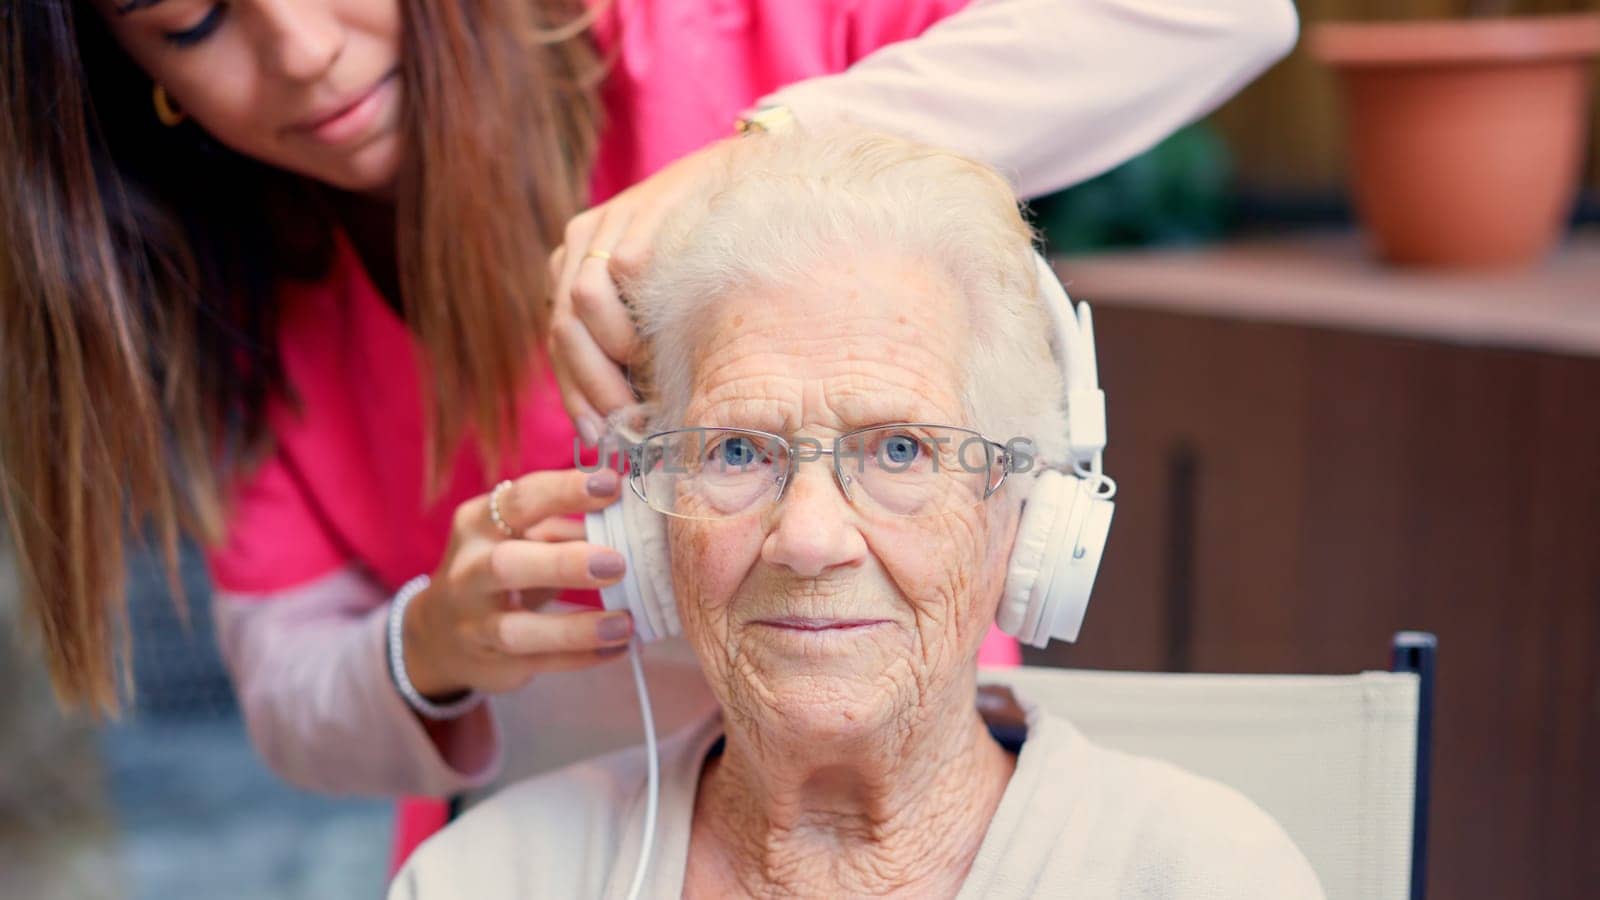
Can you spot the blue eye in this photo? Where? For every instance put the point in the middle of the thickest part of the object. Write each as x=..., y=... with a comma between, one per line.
x=202, y=29
x=738, y=452
x=900, y=449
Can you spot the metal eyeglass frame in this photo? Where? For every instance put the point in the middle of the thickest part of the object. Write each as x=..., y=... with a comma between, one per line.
x=843, y=481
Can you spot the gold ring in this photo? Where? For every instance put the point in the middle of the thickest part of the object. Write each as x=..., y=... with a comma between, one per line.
x=494, y=509
x=597, y=254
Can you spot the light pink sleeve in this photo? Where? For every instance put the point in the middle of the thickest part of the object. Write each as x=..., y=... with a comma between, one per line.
x=310, y=669
x=1051, y=92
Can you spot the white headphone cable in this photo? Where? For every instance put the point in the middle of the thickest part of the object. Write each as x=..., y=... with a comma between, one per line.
x=1093, y=471
x=647, y=842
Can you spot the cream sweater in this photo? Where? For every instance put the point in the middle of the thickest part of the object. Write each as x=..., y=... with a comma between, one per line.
x=1076, y=820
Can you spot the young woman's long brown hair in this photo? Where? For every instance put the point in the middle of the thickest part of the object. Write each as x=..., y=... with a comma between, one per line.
x=137, y=272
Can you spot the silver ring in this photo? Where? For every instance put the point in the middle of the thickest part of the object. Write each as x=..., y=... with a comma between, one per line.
x=494, y=509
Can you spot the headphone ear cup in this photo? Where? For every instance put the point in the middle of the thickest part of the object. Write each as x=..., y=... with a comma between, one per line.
x=1059, y=544
x=645, y=589
x=598, y=530
x=647, y=535
x=1039, y=515
x=1068, y=578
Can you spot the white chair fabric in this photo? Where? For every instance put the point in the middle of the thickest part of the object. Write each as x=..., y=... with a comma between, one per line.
x=1331, y=757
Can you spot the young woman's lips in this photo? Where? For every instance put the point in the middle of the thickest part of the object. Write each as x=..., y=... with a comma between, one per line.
x=352, y=119
x=801, y=623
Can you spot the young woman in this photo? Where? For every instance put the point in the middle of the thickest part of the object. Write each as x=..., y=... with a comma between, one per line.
x=275, y=273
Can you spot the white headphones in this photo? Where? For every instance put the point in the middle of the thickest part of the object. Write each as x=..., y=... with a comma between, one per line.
x=1060, y=539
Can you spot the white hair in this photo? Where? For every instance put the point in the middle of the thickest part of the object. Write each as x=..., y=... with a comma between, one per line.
x=786, y=205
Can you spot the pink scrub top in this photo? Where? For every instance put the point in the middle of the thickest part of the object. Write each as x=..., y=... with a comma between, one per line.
x=345, y=483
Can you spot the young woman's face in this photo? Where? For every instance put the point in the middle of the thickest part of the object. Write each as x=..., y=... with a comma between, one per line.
x=311, y=86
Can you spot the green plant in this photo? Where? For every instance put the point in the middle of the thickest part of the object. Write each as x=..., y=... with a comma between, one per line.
x=1178, y=192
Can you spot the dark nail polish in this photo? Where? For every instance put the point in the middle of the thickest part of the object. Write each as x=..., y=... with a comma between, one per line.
x=602, y=483
x=606, y=564
x=614, y=628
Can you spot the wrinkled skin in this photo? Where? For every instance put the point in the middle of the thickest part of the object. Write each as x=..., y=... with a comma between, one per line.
x=855, y=761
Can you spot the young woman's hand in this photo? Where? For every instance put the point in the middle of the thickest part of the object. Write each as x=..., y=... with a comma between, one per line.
x=591, y=333
x=475, y=627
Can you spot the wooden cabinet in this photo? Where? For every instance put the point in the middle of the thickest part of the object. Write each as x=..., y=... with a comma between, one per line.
x=1313, y=453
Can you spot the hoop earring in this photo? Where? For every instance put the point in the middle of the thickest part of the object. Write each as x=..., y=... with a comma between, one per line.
x=169, y=114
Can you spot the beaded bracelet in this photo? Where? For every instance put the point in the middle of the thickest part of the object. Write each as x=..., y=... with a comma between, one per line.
x=397, y=661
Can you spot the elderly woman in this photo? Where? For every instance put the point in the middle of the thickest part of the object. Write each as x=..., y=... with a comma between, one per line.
x=830, y=289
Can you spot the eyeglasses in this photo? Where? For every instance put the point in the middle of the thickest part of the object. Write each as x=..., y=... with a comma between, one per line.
x=903, y=469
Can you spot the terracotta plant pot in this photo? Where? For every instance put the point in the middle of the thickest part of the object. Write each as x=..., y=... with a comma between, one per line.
x=1466, y=137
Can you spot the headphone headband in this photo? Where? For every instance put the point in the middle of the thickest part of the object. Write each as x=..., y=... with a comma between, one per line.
x=1074, y=351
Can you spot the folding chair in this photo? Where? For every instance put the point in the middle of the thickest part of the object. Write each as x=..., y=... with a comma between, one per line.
x=1341, y=761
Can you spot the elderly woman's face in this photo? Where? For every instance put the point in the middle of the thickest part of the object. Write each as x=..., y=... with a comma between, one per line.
x=821, y=616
